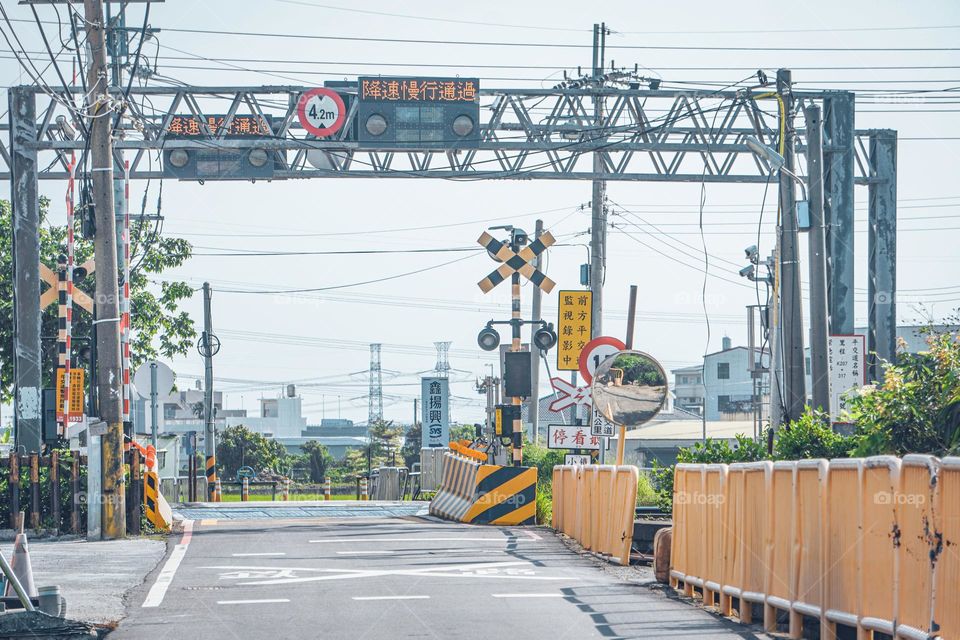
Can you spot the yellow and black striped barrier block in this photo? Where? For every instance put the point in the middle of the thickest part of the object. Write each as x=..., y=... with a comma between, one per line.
x=155, y=505
x=485, y=493
x=504, y=495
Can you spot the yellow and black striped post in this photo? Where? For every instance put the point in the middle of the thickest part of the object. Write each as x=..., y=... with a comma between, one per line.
x=326, y=488
x=212, y=493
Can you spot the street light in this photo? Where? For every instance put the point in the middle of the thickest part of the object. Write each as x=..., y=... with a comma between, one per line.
x=774, y=159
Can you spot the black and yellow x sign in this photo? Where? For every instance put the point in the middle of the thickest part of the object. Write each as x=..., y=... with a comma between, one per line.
x=514, y=262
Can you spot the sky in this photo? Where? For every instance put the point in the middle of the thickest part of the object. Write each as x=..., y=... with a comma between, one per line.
x=320, y=341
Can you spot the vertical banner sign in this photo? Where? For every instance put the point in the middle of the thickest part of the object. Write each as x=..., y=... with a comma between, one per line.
x=846, y=359
x=435, y=394
x=573, y=327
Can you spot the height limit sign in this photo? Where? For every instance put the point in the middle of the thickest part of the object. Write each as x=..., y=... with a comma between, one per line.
x=321, y=112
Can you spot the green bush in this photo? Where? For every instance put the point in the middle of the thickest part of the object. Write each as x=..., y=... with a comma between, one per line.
x=812, y=437
x=544, y=503
x=646, y=493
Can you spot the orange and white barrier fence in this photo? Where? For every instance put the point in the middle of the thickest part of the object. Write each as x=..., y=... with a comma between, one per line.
x=596, y=505
x=869, y=543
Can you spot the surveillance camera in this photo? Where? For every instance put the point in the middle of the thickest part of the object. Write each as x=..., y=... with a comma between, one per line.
x=751, y=253
x=747, y=271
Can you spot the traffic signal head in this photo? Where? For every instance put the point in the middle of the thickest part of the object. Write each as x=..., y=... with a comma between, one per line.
x=545, y=337
x=488, y=338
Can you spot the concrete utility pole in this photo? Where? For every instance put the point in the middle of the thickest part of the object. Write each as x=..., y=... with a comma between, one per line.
x=535, y=312
x=816, y=243
x=26, y=280
x=208, y=348
x=882, y=251
x=791, y=307
x=598, y=202
x=107, y=287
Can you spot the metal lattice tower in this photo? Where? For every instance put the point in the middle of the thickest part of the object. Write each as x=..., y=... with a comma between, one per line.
x=442, y=368
x=375, y=411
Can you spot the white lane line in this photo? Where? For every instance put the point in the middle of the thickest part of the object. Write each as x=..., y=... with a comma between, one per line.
x=362, y=553
x=265, y=553
x=532, y=535
x=446, y=539
x=391, y=597
x=527, y=595
x=165, y=577
x=265, y=601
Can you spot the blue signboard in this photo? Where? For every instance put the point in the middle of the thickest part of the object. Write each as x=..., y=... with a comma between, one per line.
x=436, y=412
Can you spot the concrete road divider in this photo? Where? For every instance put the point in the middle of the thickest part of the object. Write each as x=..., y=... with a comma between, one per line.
x=868, y=543
x=595, y=505
x=485, y=493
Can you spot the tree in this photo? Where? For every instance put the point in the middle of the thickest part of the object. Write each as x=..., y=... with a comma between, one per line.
x=412, y=440
x=384, y=440
x=318, y=459
x=238, y=446
x=158, y=327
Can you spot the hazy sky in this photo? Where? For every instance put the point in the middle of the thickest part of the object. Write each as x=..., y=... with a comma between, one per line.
x=317, y=339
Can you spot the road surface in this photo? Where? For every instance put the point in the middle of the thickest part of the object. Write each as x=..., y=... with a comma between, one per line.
x=387, y=578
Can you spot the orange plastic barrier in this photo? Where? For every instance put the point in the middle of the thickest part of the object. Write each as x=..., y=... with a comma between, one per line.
x=872, y=543
x=595, y=505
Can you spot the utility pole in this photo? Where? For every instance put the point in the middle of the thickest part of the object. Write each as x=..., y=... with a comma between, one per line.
x=598, y=218
x=107, y=287
x=794, y=383
x=209, y=346
x=816, y=242
x=535, y=311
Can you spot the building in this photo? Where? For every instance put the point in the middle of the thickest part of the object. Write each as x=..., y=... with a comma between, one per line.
x=688, y=388
x=729, y=384
x=660, y=439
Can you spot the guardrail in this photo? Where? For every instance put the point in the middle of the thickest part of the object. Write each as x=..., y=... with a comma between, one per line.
x=596, y=505
x=870, y=543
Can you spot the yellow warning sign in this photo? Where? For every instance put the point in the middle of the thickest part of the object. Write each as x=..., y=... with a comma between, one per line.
x=573, y=327
x=76, y=395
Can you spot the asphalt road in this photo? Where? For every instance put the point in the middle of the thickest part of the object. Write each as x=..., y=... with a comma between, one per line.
x=372, y=578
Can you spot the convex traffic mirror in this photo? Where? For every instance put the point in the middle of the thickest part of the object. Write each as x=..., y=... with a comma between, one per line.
x=629, y=388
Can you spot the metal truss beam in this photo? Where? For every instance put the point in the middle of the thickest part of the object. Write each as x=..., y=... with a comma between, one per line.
x=528, y=134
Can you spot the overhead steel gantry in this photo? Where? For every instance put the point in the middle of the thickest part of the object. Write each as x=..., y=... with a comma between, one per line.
x=529, y=134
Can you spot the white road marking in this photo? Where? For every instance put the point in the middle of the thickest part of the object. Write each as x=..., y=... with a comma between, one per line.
x=265, y=601
x=165, y=577
x=265, y=553
x=362, y=553
x=446, y=539
x=262, y=575
x=391, y=597
x=532, y=535
x=527, y=595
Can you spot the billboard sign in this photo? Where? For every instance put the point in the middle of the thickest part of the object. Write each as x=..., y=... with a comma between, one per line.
x=435, y=399
x=846, y=361
x=573, y=327
x=570, y=436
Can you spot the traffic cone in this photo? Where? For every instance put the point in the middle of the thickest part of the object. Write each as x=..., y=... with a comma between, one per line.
x=21, y=565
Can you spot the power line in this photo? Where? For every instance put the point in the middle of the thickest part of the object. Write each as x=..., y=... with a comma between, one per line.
x=556, y=45
x=352, y=284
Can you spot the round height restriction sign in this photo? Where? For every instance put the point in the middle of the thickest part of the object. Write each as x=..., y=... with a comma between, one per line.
x=595, y=352
x=321, y=112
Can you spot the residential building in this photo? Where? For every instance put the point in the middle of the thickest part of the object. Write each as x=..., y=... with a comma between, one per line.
x=729, y=385
x=688, y=388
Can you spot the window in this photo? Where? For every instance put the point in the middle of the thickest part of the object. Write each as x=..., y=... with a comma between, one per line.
x=723, y=371
x=723, y=403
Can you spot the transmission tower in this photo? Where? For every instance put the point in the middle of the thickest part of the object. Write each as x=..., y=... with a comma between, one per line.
x=442, y=368
x=375, y=411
